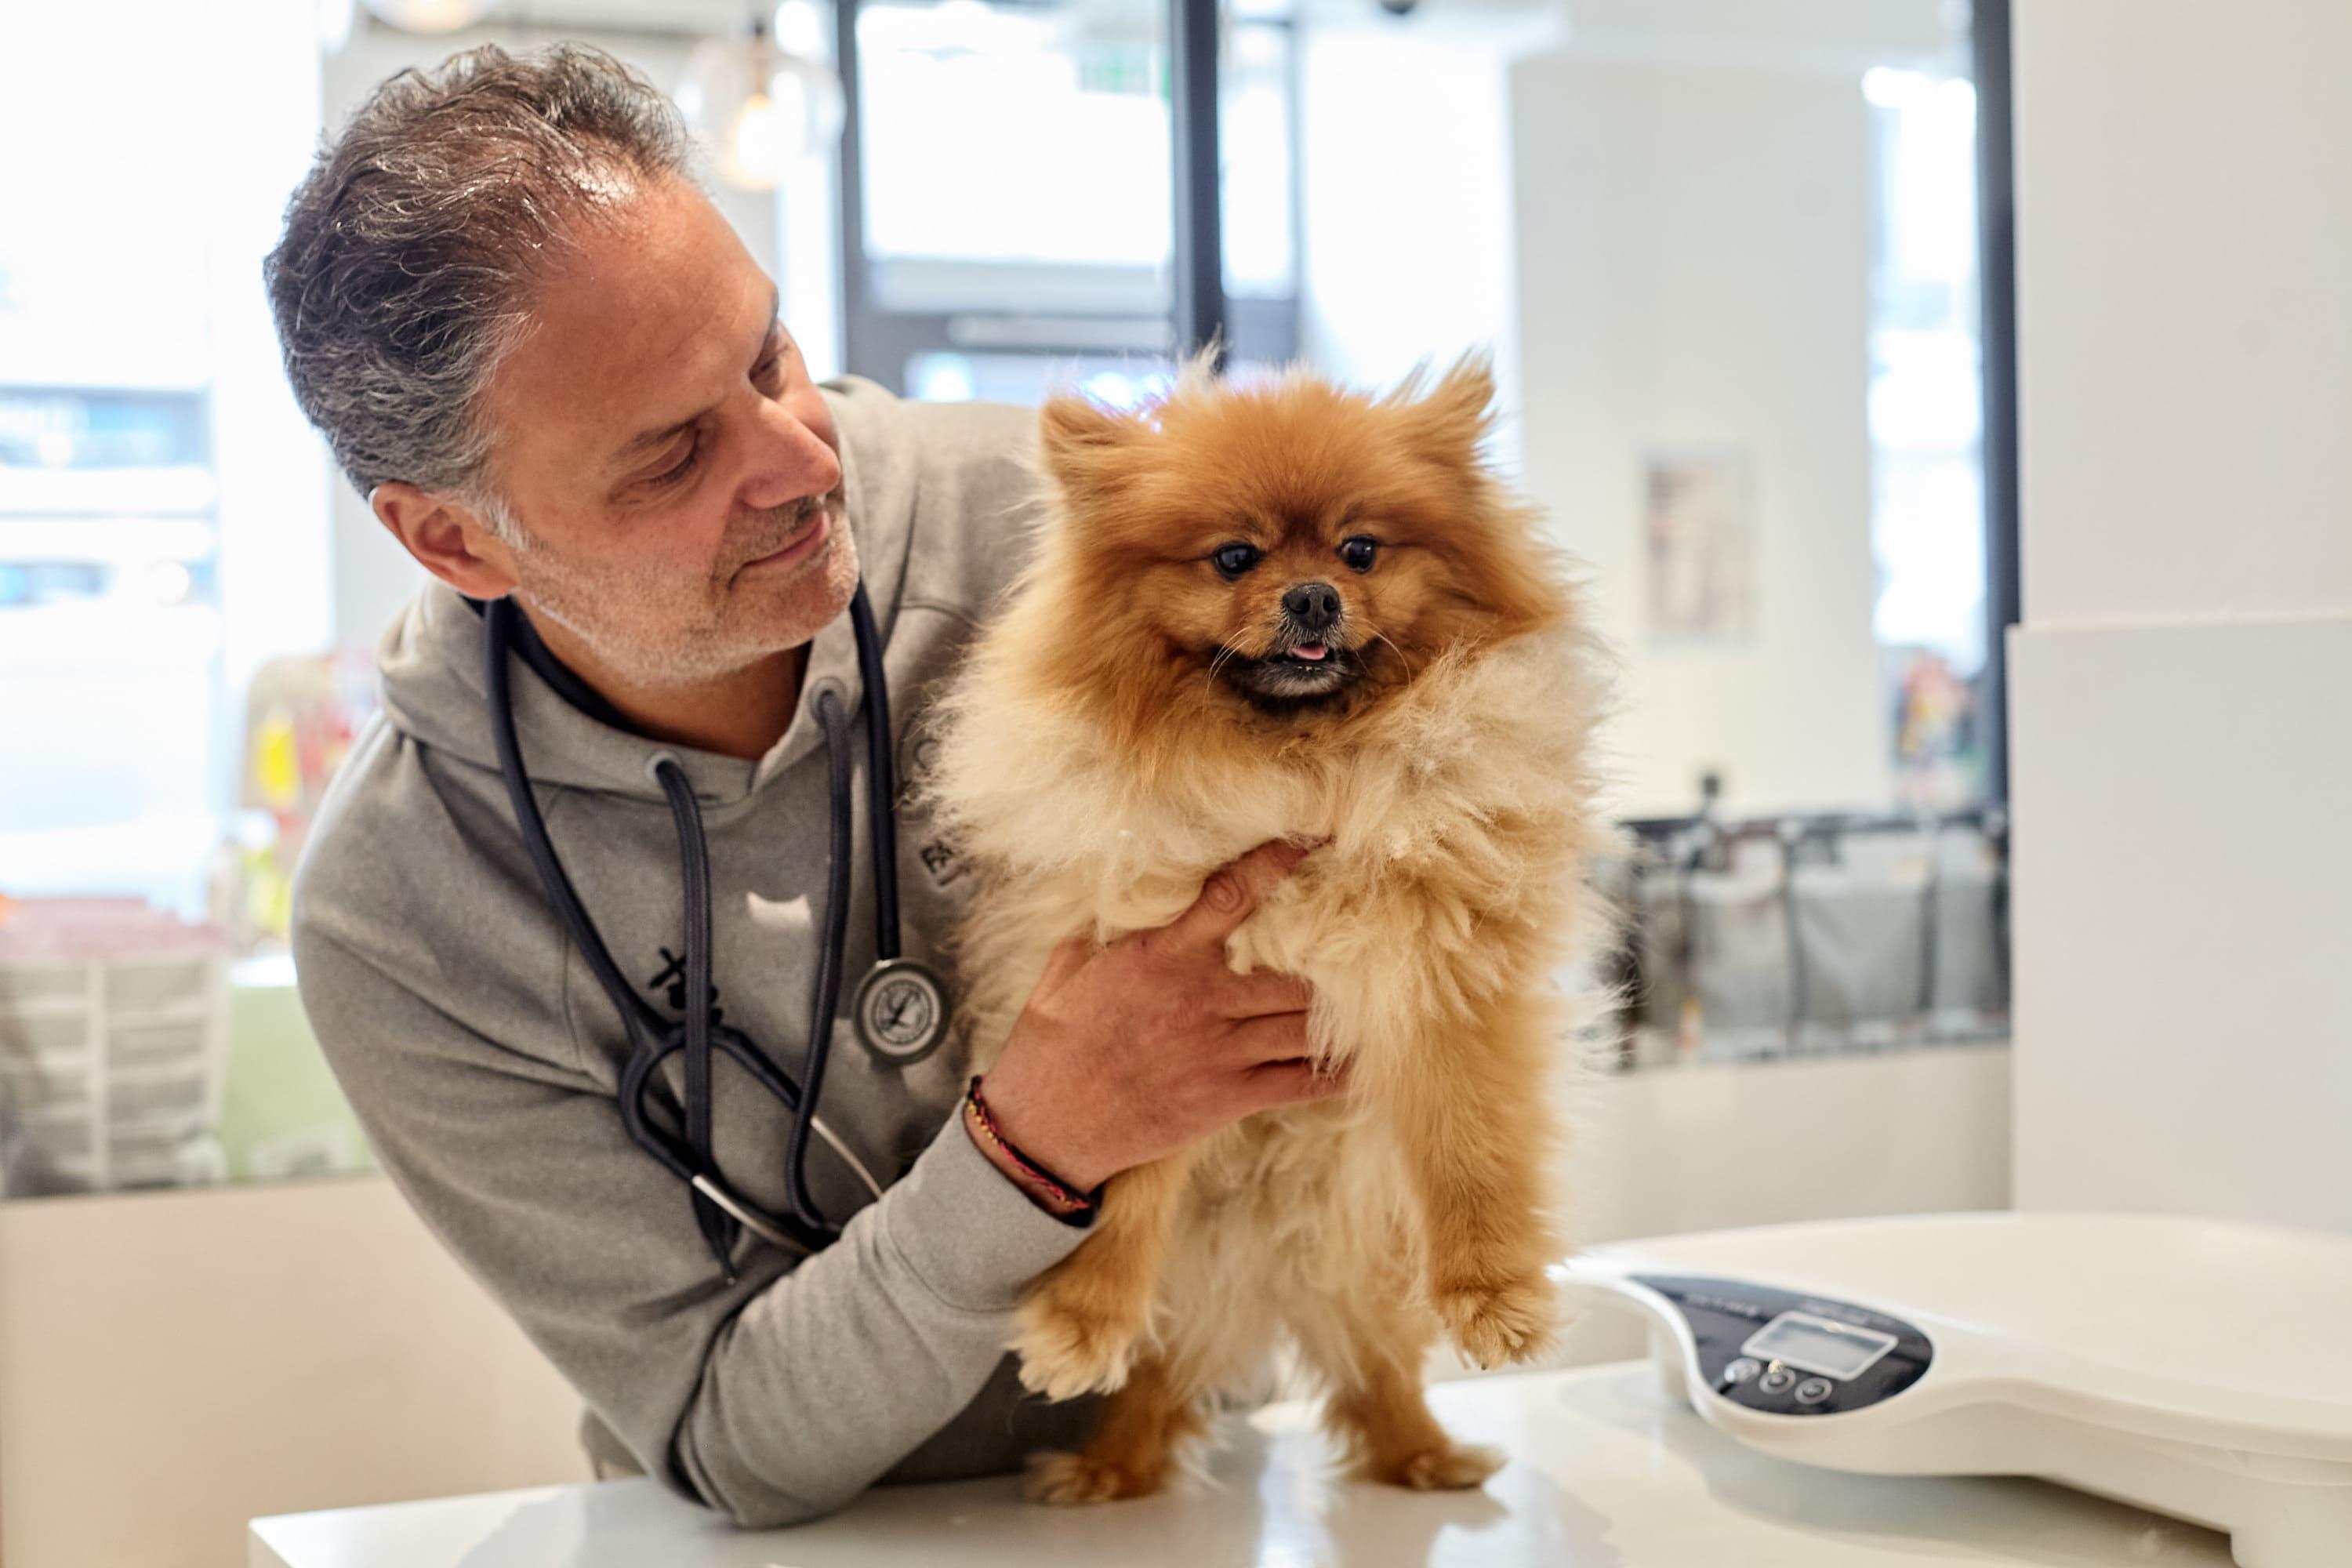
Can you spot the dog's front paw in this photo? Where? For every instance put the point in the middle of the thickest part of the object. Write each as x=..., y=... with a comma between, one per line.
x=1068, y=1347
x=1456, y=1467
x=1063, y=1480
x=1494, y=1323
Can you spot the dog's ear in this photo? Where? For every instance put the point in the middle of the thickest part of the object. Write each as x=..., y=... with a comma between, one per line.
x=1457, y=413
x=1079, y=440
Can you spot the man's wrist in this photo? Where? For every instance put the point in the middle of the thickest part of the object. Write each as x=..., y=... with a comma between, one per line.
x=1034, y=1134
x=1054, y=1200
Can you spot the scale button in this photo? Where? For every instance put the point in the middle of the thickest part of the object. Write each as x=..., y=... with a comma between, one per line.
x=1780, y=1380
x=1743, y=1369
x=1814, y=1390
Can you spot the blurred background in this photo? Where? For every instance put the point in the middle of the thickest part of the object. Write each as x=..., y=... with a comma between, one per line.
x=1725, y=257
x=1730, y=260
x=1756, y=289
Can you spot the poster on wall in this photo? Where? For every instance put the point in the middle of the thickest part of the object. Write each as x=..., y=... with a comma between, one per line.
x=1700, y=535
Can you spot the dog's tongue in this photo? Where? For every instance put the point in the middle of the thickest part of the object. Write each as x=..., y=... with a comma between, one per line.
x=1309, y=650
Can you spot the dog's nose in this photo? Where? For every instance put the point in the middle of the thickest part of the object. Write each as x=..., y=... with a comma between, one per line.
x=1313, y=606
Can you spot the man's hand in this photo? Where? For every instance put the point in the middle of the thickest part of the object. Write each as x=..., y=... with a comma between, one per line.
x=1131, y=1051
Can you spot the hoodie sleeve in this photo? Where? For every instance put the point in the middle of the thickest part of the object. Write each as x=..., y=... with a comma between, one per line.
x=772, y=1400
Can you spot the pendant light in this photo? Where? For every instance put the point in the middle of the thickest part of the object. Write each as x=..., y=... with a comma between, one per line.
x=758, y=108
x=428, y=15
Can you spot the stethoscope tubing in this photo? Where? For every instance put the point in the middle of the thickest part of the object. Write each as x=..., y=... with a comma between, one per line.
x=651, y=1037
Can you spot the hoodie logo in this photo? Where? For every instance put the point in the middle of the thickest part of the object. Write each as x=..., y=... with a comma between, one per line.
x=917, y=752
x=672, y=981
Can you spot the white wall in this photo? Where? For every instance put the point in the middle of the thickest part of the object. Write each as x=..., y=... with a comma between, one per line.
x=2185, y=243
x=172, y=1364
x=1405, y=217
x=2184, y=918
x=1693, y=250
x=1707, y=1146
x=2181, y=728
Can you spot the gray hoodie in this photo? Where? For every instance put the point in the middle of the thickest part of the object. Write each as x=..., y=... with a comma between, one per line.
x=482, y=1058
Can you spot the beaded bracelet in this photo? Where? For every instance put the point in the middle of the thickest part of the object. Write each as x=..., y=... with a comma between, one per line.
x=1083, y=1205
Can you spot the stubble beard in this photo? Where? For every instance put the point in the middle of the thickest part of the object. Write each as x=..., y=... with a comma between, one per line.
x=699, y=630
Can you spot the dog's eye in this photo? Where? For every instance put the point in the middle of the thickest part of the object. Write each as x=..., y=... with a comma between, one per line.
x=1232, y=560
x=1357, y=551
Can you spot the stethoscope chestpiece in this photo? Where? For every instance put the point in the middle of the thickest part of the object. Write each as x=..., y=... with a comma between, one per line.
x=900, y=1011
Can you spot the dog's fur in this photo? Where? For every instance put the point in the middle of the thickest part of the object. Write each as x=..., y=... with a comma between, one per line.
x=1100, y=757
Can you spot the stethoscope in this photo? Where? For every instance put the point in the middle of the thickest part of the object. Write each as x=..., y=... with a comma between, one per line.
x=900, y=1009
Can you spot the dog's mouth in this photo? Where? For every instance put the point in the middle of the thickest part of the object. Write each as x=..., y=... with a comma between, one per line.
x=1304, y=670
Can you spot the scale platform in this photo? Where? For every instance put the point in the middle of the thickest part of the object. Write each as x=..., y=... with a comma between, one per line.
x=2198, y=1368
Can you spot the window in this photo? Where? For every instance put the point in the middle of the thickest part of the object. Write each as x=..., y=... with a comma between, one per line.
x=1013, y=211
x=161, y=505
x=1926, y=426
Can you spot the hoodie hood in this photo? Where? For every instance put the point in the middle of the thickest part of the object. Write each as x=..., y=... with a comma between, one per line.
x=431, y=657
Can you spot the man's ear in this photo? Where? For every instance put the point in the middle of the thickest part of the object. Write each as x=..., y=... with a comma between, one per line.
x=448, y=539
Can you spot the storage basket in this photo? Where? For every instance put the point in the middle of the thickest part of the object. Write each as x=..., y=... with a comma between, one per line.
x=113, y=1046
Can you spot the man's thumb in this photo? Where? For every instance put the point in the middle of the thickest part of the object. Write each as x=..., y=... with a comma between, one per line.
x=1232, y=891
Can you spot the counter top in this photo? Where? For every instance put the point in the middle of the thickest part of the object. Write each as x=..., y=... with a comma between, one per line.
x=1605, y=1472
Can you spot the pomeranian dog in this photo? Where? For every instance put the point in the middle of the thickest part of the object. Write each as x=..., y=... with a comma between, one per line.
x=1294, y=611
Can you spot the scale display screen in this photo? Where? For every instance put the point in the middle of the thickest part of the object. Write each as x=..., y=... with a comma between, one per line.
x=1817, y=1345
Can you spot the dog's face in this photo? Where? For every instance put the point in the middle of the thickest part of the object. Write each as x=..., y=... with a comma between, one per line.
x=1291, y=550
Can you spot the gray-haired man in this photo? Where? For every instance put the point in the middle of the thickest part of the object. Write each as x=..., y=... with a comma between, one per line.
x=559, y=378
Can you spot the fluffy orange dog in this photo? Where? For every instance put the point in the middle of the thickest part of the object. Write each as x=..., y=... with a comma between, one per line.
x=1294, y=611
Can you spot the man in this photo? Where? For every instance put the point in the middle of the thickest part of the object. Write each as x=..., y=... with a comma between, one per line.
x=560, y=380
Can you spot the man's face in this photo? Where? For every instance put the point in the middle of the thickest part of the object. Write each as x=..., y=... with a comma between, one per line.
x=671, y=465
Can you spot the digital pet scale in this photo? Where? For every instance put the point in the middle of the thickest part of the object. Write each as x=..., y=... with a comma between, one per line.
x=2198, y=1368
